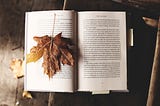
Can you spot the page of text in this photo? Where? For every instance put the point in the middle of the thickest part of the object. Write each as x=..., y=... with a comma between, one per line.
x=42, y=23
x=102, y=44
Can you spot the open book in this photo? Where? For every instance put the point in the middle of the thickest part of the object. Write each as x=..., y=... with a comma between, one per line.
x=101, y=61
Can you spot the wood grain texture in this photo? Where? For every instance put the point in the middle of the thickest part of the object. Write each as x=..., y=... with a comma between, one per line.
x=12, y=36
x=12, y=13
x=8, y=83
x=154, y=89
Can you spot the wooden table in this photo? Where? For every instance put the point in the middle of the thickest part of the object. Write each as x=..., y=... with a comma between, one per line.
x=140, y=56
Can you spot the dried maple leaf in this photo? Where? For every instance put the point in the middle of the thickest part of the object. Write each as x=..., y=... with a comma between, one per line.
x=66, y=57
x=50, y=63
x=35, y=54
x=54, y=51
x=27, y=95
x=16, y=66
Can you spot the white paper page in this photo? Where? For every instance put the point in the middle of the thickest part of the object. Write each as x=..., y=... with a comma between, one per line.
x=102, y=43
x=40, y=23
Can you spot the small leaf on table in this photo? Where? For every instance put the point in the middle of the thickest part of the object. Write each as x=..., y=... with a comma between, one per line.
x=16, y=65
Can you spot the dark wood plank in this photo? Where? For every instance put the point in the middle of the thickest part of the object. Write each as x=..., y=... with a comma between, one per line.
x=154, y=89
x=12, y=36
x=8, y=83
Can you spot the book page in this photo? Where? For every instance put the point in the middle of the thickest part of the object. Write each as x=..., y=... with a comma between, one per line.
x=102, y=45
x=42, y=23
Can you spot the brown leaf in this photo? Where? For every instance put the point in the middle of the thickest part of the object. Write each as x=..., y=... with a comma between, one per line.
x=49, y=68
x=54, y=50
x=34, y=55
x=151, y=22
x=67, y=57
x=27, y=95
x=57, y=39
x=36, y=52
x=42, y=40
x=16, y=66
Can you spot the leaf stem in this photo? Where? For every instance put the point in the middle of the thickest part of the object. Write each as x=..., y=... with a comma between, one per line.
x=52, y=32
